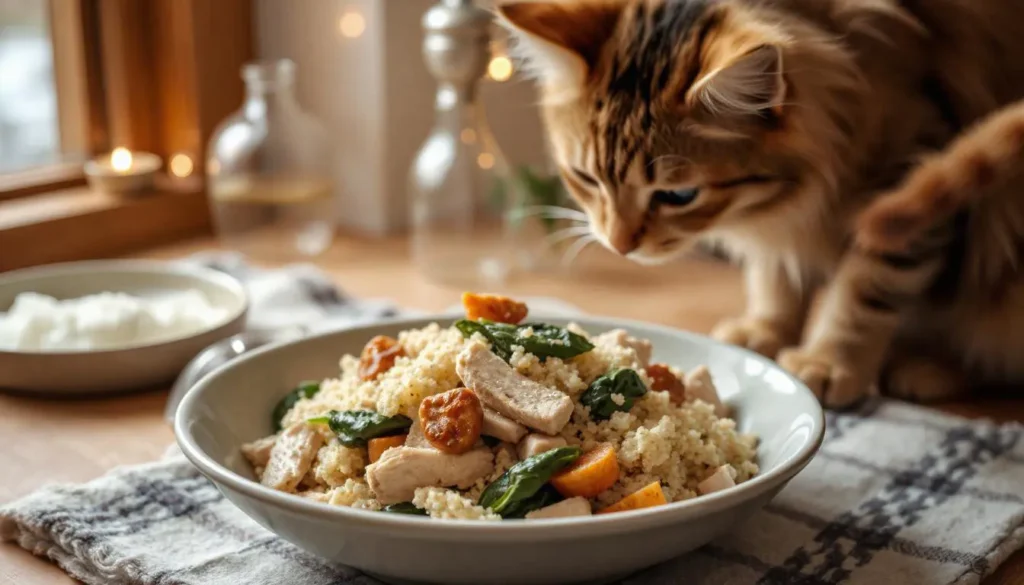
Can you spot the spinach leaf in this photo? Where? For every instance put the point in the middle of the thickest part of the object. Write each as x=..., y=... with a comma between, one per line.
x=524, y=479
x=546, y=340
x=404, y=508
x=306, y=389
x=545, y=497
x=355, y=427
x=599, y=395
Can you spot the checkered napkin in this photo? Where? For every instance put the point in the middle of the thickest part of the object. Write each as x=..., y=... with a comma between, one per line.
x=898, y=495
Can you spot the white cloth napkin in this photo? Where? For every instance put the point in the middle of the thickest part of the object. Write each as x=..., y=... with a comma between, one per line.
x=898, y=495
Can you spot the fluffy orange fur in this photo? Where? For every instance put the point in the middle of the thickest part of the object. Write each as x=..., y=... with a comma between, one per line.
x=769, y=127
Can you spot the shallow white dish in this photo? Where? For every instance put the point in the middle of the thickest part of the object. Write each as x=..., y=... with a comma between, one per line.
x=233, y=405
x=127, y=368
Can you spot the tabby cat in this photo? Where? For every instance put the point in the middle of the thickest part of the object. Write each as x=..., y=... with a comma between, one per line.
x=867, y=146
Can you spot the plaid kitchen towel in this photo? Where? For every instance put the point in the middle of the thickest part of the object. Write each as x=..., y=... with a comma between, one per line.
x=898, y=495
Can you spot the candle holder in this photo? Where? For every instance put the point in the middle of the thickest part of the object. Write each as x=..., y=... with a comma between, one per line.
x=123, y=171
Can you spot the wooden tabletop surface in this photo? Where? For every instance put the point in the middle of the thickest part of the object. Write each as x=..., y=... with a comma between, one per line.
x=77, y=440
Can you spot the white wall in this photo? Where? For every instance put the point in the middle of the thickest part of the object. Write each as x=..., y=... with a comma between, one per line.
x=376, y=97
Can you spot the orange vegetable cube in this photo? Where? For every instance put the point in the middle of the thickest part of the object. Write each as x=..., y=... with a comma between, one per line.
x=646, y=497
x=594, y=472
x=378, y=446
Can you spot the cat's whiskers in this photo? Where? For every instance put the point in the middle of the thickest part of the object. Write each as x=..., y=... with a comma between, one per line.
x=574, y=250
x=567, y=233
x=550, y=212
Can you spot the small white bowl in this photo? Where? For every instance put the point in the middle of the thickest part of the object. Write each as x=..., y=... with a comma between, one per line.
x=232, y=406
x=123, y=368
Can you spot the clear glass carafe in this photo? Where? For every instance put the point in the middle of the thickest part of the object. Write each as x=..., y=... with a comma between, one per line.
x=459, y=186
x=268, y=169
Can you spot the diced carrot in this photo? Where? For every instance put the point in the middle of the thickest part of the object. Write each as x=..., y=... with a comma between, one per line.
x=493, y=308
x=646, y=497
x=378, y=446
x=594, y=472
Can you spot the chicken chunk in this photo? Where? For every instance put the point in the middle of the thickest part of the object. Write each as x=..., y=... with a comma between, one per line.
x=721, y=479
x=291, y=457
x=501, y=427
x=400, y=470
x=620, y=338
x=510, y=393
x=700, y=387
x=536, y=443
x=564, y=509
x=258, y=451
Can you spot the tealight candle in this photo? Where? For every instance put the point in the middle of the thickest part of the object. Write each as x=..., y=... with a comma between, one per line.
x=122, y=171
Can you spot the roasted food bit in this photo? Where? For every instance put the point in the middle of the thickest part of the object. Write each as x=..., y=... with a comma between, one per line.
x=663, y=380
x=452, y=420
x=493, y=308
x=379, y=356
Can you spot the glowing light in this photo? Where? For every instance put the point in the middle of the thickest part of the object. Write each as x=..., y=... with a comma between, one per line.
x=121, y=159
x=500, y=68
x=485, y=160
x=468, y=135
x=352, y=25
x=181, y=165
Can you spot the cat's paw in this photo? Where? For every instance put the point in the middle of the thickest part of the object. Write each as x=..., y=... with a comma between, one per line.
x=834, y=383
x=924, y=380
x=754, y=334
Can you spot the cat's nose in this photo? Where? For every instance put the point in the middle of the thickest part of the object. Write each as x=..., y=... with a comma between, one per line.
x=623, y=240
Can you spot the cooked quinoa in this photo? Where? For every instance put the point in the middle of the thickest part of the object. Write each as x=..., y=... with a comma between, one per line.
x=655, y=440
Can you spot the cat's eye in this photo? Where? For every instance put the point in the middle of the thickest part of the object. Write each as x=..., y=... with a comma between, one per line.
x=675, y=197
x=584, y=178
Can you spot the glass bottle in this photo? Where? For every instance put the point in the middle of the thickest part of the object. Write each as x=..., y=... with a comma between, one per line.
x=460, y=188
x=268, y=172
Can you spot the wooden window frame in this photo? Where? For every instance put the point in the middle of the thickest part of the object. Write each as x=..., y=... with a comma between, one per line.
x=153, y=75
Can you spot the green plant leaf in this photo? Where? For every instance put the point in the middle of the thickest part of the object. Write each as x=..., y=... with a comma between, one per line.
x=355, y=427
x=307, y=389
x=509, y=493
x=544, y=342
x=598, y=396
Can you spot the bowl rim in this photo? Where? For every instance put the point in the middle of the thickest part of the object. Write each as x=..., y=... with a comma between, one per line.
x=224, y=281
x=538, y=529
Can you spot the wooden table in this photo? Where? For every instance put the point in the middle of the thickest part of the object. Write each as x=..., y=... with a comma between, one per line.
x=77, y=440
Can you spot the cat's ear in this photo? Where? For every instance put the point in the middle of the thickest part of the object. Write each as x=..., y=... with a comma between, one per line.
x=748, y=83
x=559, y=41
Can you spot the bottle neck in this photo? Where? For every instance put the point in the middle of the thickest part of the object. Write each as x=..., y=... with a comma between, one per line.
x=263, y=98
x=458, y=106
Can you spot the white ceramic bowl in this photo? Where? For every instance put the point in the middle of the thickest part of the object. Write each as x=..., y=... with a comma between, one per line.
x=123, y=368
x=233, y=406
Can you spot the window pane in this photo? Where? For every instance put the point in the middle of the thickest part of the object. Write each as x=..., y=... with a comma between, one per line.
x=29, y=134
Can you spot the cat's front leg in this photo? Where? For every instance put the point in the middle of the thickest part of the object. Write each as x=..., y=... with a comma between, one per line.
x=776, y=310
x=863, y=306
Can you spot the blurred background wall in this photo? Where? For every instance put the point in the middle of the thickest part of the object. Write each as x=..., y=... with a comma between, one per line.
x=360, y=70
